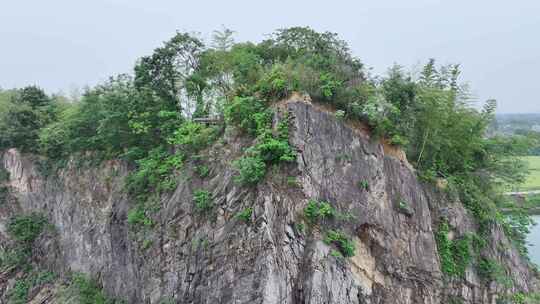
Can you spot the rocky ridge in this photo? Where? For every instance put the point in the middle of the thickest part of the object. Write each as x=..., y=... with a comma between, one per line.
x=276, y=257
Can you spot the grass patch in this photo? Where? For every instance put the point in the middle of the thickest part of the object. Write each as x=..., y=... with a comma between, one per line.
x=533, y=179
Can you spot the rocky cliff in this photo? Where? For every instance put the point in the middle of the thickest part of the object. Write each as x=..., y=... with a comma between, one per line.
x=274, y=256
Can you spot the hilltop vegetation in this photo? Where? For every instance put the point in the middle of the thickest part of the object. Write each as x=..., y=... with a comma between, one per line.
x=146, y=119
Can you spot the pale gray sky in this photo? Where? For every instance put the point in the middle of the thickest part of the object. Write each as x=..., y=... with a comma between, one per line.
x=59, y=44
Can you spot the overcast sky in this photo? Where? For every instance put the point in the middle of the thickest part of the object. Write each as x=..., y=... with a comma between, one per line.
x=61, y=44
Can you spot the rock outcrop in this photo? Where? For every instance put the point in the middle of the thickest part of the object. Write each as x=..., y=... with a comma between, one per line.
x=188, y=257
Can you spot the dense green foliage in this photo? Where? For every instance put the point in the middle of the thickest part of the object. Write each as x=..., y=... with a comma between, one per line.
x=251, y=169
x=428, y=115
x=444, y=245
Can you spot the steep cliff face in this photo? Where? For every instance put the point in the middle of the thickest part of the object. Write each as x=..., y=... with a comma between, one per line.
x=276, y=257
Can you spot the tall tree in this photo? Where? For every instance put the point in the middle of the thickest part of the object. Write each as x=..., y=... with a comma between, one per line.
x=223, y=40
x=31, y=95
x=169, y=71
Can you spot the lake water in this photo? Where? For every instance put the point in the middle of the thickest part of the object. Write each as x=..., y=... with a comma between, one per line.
x=534, y=240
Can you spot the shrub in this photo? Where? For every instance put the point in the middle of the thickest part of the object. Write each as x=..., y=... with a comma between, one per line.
x=26, y=228
x=490, y=270
x=336, y=254
x=292, y=181
x=461, y=254
x=248, y=113
x=192, y=137
x=455, y=300
x=283, y=128
x=339, y=239
x=87, y=291
x=23, y=112
x=202, y=171
x=245, y=215
x=268, y=150
x=398, y=140
x=329, y=86
x=4, y=191
x=202, y=200
x=273, y=150
x=17, y=256
x=4, y=175
x=252, y=169
x=340, y=114
x=155, y=172
x=138, y=216
x=444, y=244
x=455, y=255
x=146, y=244
x=251, y=115
x=274, y=84
x=19, y=293
x=300, y=227
x=43, y=277
x=518, y=298
x=364, y=185
x=316, y=211
x=405, y=208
